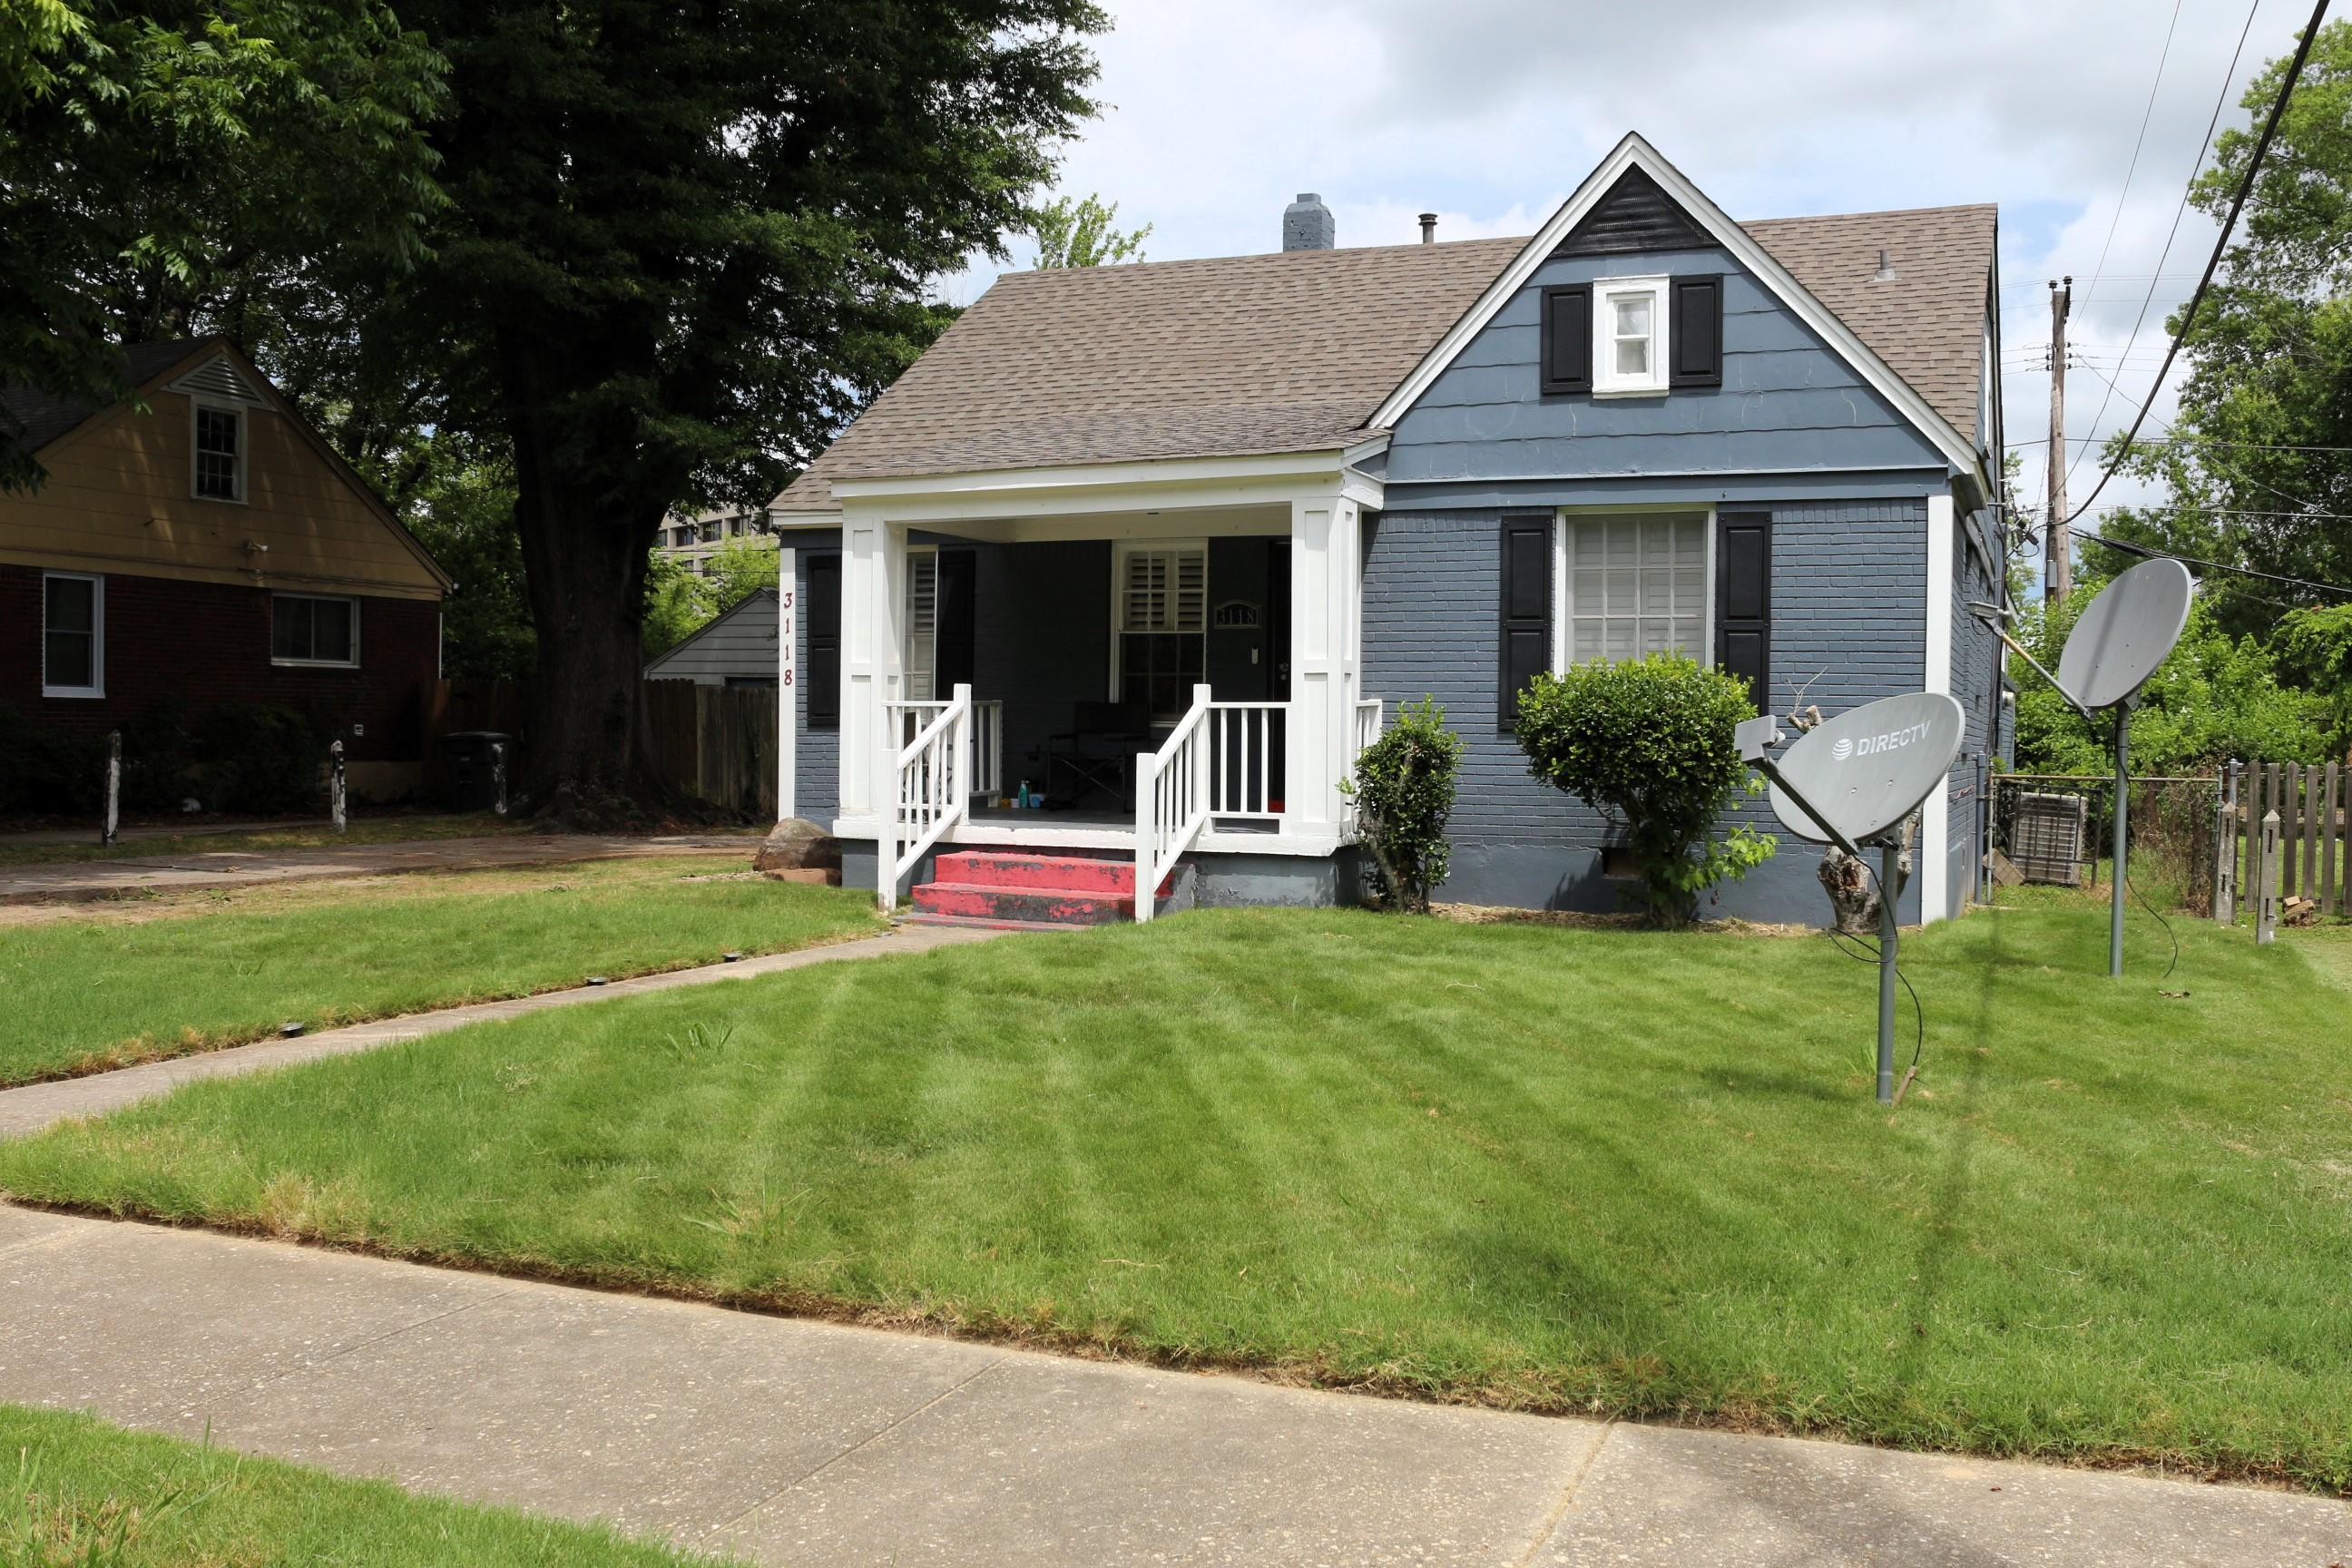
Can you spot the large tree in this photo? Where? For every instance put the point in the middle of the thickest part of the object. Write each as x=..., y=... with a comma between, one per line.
x=2259, y=461
x=158, y=158
x=688, y=238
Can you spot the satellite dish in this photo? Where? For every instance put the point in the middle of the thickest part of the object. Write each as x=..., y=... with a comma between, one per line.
x=1867, y=769
x=2124, y=634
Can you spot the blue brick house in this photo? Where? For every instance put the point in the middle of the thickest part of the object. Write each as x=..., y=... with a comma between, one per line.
x=1161, y=545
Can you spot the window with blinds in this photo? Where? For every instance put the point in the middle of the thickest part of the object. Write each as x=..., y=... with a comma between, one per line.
x=1635, y=585
x=921, y=648
x=1162, y=612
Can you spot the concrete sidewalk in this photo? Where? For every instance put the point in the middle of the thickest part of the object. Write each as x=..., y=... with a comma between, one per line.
x=245, y=868
x=34, y=1106
x=808, y=1444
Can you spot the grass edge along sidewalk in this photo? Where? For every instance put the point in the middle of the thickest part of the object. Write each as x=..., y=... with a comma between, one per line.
x=83, y=995
x=1594, y=1173
x=76, y=1489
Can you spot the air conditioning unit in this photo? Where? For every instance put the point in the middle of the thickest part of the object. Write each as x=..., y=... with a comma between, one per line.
x=2046, y=839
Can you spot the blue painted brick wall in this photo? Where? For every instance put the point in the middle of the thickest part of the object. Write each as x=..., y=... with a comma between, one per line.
x=1849, y=592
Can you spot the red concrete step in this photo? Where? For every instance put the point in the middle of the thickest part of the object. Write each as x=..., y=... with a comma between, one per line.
x=1060, y=873
x=1025, y=905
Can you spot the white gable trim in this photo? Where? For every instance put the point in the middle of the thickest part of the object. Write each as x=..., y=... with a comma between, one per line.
x=1634, y=152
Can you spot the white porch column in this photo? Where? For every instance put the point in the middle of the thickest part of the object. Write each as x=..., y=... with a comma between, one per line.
x=788, y=674
x=1326, y=591
x=872, y=587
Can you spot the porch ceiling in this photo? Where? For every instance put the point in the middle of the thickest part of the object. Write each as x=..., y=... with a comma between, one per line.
x=1162, y=521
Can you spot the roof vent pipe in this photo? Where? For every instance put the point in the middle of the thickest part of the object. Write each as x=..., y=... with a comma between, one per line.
x=1306, y=225
x=1885, y=273
x=1429, y=228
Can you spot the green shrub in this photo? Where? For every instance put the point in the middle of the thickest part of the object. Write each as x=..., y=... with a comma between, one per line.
x=49, y=771
x=1649, y=741
x=1403, y=790
x=257, y=760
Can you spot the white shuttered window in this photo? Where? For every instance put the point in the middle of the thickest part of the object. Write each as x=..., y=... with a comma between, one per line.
x=922, y=640
x=1162, y=608
x=1635, y=585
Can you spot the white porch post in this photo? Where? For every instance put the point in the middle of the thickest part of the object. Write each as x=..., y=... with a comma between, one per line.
x=1326, y=586
x=788, y=674
x=872, y=586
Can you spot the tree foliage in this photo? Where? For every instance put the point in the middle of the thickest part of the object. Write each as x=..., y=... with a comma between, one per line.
x=681, y=603
x=1082, y=231
x=687, y=241
x=159, y=158
x=2216, y=696
x=2262, y=449
x=1649, y=741
x=1404, y=789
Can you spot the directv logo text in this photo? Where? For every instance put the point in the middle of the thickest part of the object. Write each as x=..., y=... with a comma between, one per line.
x=1871, y=745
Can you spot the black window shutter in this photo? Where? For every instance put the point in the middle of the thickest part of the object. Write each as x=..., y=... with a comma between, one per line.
x=1526, y=647
x=822, y=614
x=1743, y=601
x=1567, y=338
x=1695, y=325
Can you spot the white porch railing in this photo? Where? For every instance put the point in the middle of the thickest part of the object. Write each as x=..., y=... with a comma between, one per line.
x=1371, y=715
x=906, y=720
x=930, y=787
x=1171, y=800
x=1245, y=742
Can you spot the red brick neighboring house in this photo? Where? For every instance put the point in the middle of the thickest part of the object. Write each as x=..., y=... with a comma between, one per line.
x=203, y=545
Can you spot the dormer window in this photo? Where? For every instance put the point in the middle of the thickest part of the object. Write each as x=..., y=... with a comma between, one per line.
x=219, y=472
x=1629, y=333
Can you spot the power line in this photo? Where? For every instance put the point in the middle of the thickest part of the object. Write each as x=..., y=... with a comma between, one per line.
x=2155, y=554
x=2133, y=167
x=2221, y=241
x=2190, y=441
x=2297, y=501
x=2178, y=212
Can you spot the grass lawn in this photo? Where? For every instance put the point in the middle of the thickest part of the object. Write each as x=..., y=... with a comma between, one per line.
x=397, y=829
x=1557, y=1169
x=75, y=1491
x=104, y=986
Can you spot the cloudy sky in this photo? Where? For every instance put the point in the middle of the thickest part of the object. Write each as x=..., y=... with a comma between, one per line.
x=1489, y=113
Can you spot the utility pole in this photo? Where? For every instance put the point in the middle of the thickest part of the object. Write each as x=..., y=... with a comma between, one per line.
x=2058, y=575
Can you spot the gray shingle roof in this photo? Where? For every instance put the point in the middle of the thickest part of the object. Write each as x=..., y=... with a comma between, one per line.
x=43, y=419
x=1293, y=351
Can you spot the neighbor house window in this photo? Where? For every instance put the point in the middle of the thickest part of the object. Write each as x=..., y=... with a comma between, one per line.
x=1633, y=585
x=310, y=630
x=73, y=635
x=1629, y=328
x=1162, y=647
x=219, y=453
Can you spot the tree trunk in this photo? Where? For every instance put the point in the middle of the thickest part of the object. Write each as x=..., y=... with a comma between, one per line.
x=584, y=544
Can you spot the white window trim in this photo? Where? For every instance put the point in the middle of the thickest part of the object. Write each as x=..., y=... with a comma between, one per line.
x=97, y=686
x=1120, y=551
x=243, y=447
x=1564, y=581
x=350, y=663
x=1606, y=383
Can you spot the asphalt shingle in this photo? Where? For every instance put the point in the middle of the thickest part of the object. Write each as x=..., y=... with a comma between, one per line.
x=1293, y=351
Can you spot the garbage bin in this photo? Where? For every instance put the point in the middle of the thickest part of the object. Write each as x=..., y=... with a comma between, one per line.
x=473, y=771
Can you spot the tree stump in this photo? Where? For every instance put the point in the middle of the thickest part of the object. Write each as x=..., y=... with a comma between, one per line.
x=1853, y=888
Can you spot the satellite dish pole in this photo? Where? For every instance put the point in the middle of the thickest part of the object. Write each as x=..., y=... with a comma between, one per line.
x=1855, y=779
x=2124, y=634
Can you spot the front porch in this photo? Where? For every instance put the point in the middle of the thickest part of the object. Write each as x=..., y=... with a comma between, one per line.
x=1148, y=665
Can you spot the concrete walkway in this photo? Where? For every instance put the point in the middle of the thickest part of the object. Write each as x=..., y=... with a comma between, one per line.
x=28, y=1109
x=245, y=868
x=811, y=1445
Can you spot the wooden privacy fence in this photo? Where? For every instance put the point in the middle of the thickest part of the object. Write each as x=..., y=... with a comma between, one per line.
x=2312, y=801
x=717, y=742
